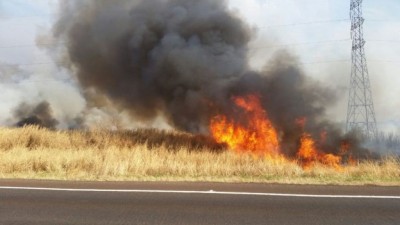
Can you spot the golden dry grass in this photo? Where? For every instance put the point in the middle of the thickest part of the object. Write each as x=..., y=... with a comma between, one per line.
x=150, y=155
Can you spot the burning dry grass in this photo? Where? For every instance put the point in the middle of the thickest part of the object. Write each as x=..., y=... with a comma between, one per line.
x=35, y=153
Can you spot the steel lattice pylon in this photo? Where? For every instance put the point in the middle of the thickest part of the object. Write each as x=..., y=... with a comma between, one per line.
x=361, y=112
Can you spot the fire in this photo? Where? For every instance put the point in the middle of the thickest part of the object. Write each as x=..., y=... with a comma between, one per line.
x=307, y=151
x=308, y=154
x=252, y=131
x=255, y=133
x=345, y=151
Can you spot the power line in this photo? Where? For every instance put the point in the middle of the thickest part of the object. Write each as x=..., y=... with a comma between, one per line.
x=31, y=45
x=253, y=48
x=302, y=43
x=21, y=82
x=28, y=16
x=26, y=81
x=300, y=63
x=27, y=65
x=385, y=41
x=304, y=23
x=324, y=62
x=383, y=21
x=37, y=64
x=384, y=61
x=344, y=61
x=261, y=47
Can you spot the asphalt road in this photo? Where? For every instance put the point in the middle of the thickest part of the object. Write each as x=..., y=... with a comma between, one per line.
x=57, y=203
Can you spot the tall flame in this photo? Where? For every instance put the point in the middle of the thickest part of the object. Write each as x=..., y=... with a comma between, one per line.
x=254, y=133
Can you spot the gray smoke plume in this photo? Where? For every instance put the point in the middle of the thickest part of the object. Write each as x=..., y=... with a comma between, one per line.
x=37, y=115
x=156, y=57
x=184, y=60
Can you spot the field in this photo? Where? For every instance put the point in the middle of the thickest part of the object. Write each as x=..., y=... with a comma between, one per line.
x=150, y=155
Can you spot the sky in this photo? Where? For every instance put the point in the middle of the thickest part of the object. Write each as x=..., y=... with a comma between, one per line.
x=278, y=24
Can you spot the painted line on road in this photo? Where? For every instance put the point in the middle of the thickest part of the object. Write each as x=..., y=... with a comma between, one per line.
x=199, y=192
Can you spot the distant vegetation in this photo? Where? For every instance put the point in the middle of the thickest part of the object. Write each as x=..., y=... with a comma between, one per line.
x=150, y=155
x=386, y=144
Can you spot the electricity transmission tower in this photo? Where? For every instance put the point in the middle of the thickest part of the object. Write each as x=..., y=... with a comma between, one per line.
x=360, y=112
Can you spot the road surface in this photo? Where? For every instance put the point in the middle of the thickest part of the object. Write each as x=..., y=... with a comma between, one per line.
x=58, y=203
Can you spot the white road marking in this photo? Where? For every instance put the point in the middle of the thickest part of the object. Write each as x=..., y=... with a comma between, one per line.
x=211, y=192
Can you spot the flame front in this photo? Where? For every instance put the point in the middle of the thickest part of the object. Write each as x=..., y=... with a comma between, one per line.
x=255, y=133
x=251, y=131
x=308, y=154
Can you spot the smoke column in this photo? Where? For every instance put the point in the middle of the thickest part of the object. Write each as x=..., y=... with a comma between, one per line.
x=39, y=115
x=168, y=58
x=184, y=60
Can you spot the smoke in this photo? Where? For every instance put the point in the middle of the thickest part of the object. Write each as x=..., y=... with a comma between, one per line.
x=156, y=58
x=39, y=115
x=25, y=94
x=184, y=60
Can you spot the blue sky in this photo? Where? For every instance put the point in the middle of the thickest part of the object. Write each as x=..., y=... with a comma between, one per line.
x=23, y=20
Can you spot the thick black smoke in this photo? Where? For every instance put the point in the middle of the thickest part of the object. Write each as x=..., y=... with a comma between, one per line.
x=170, y=58
x=185, y=60
x=36, y=115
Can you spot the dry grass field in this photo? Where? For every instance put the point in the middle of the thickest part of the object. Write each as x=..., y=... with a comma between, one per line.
x=150, y=155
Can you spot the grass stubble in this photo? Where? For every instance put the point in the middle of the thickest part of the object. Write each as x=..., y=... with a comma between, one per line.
x=150, y=155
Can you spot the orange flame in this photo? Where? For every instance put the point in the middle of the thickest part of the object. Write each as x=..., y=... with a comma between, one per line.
x=345, y=151
x=255, y=134
x=308, y=154
x=307, y=151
